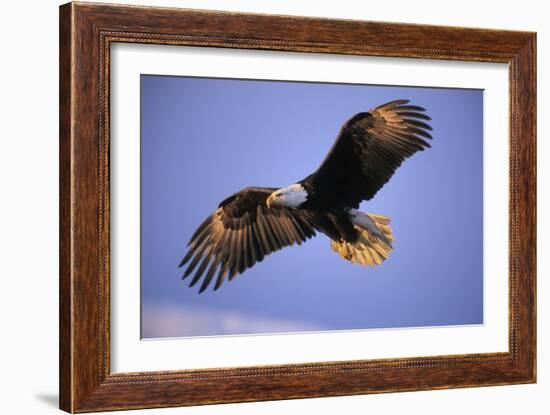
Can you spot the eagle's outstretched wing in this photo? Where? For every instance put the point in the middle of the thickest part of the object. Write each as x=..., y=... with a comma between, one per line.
x=241, y=232
x=370, y=147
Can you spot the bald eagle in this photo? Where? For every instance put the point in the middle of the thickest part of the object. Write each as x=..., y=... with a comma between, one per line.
x=256, y=221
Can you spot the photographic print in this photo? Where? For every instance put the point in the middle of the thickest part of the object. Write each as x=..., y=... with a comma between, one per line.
x=288, y=207
x=340, y=207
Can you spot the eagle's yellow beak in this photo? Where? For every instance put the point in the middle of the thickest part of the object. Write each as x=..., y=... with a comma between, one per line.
x=269, y=201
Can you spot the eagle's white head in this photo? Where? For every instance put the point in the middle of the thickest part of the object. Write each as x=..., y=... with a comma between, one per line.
x=291, y=196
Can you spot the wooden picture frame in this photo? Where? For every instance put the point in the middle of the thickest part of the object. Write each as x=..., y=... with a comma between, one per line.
x=86, y=33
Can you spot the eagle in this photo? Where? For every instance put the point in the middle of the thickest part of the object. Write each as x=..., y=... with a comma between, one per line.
x=257, y=221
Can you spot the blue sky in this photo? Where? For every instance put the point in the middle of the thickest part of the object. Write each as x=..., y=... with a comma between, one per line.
x=204, y=139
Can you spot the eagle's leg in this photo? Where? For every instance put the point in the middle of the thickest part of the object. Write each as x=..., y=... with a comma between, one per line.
x=374, y=243
x=376, y=225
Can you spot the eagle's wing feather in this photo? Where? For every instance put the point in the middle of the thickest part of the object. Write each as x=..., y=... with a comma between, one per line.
x=368, y=150
x=239, y=233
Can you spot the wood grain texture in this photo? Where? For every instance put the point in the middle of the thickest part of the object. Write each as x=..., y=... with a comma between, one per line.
x=86, y=33
x=65, y=138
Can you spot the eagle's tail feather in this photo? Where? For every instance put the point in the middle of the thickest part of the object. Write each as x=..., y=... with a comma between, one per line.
x=372, y=248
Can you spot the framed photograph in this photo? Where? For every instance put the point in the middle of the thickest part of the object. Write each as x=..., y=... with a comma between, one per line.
x=258, y=207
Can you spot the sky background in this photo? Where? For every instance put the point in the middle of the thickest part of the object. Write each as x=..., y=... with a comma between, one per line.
x=205, y=139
